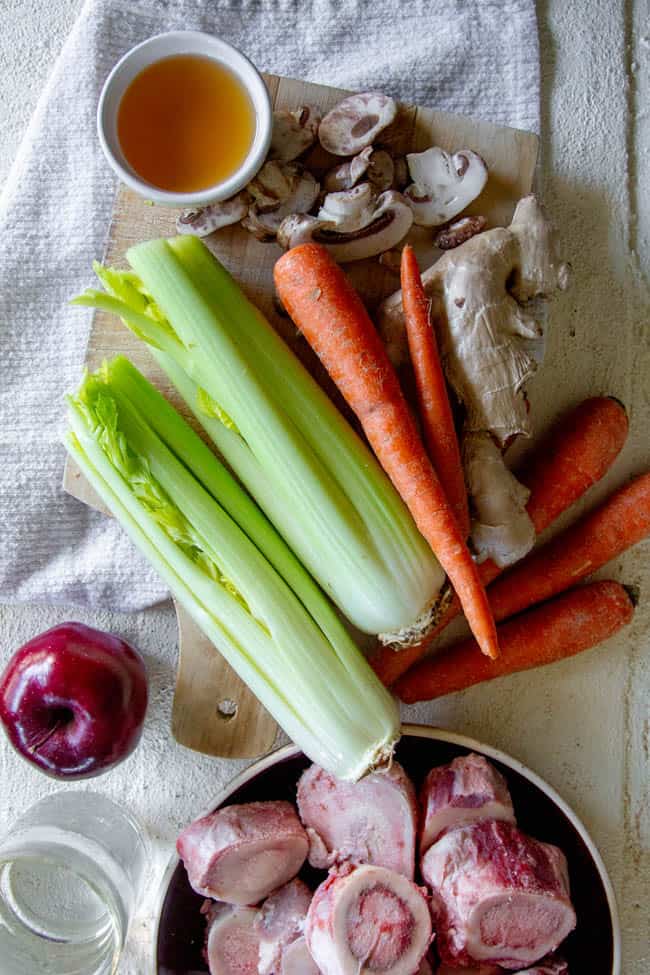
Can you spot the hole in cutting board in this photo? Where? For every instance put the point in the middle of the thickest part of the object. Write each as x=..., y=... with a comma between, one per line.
x=227, y=709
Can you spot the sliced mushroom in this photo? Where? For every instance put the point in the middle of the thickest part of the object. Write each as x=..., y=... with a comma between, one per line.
x=202, y=221
x=458, y=231
x=356, y=122
x=279, y=189
x=443, y=185
x=368, y=230
x=293, y=132
x=375, y=164
x=349, y=208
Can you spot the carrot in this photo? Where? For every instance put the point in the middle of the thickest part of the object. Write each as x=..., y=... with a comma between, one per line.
x=575, y=621
x=575, y=455
x=579, y=450
x=622, y=521
x=324, y=305
x=433, y=400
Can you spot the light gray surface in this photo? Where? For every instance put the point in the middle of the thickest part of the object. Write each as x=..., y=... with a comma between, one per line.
x=583, y=724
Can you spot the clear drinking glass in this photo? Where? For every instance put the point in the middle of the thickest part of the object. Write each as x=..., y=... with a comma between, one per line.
x=71, y=874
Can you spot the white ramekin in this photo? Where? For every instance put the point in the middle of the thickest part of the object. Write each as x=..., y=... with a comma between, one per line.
x=167, y=45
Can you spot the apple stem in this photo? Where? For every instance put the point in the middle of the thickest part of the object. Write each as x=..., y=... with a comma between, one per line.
x=48, y=734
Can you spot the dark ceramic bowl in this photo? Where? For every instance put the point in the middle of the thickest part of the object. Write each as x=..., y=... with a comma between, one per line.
x=593, y=947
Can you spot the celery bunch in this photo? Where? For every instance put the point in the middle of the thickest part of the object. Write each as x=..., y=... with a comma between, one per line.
x=286, y=442
x=226, y=564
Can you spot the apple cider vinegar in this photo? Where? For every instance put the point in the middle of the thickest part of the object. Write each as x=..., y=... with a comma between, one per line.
x=185, y=123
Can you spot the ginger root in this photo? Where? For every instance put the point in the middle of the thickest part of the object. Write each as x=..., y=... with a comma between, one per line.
x=477, y=291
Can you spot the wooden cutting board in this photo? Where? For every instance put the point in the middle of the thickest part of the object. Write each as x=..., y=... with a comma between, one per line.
x=214, y=712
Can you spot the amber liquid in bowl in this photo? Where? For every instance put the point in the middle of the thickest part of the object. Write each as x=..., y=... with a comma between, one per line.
x=185, y=123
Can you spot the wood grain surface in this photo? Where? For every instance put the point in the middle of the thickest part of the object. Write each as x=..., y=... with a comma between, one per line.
x=214, y=712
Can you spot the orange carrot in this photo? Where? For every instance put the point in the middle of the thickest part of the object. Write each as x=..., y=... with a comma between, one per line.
x=575, y=621
x=319, y=298
x=433, y=400
x=576, y=454
x=580, y=449
x=622, y=521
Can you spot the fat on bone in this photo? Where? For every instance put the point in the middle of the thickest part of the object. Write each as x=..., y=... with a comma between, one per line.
x=372, y=821
x=232, y=944
x=280, y=921
x=466, y=790
x=241, y=853
x=296, y=959
x=498, y=896
x=367, y=919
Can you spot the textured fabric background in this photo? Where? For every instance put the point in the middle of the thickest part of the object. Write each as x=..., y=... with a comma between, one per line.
x=470, y=56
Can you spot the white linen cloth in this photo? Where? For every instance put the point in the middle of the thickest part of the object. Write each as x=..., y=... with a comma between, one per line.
x=474, y=57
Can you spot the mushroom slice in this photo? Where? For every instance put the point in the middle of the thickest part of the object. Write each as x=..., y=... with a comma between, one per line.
x=298, y=228
x=375, y=164
x=278, y=190
x=457, y=232
x=364, y=232
x=443, y=185
x=293, y=132
x=356, y=122
x=349, y=209
x=203, y=221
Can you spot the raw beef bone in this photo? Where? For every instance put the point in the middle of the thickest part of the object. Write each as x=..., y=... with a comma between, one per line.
x=364, y=920
x=553, y=965
x=232, y=945
x=240, y=854
x=499, y=896
x=465, y=791
x=296, y=959
x=280, y=920
x=372, y=821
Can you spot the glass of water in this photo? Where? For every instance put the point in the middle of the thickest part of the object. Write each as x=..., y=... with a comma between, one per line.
x=71, y=875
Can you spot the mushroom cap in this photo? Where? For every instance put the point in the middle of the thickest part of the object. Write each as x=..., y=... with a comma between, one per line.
x=443, y=184
x=202, y=221
x=358, y=224
x=375, y=164
x=279, y=189
x=293, y=132
x=356, y=122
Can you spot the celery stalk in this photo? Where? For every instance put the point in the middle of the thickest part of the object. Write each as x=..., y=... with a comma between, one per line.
x=310, y=676
x=302, y=462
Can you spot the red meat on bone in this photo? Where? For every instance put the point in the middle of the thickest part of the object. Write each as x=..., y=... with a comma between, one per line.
x=366, y=920
x=280, y=921
x=240, y=854
x=373, y=821
x=465, y=791
x=499, y=896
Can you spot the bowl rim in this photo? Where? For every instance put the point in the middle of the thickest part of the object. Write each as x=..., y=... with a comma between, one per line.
x=435, y=734
x=168, y=44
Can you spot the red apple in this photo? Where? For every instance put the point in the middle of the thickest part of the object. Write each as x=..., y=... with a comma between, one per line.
x=73, y=700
